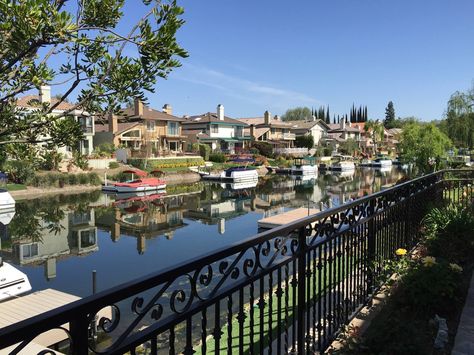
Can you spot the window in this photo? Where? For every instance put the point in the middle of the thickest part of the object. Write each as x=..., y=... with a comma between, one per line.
x=134, y=133
x=239, y=131
x=214, y=128
x=150, y=126
x=174, y=146
x=88, y=238
x=172, y=128
x=29, y=250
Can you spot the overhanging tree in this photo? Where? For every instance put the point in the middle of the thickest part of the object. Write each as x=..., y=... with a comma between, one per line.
x=297, y=114
x=79, y=46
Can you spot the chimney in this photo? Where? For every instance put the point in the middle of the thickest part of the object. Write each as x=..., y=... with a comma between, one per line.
x=252, y=131
x=220, y=112
x=168, y=109
x=267, y=116
x=343, y=124
x=113, y=123
x=277, y=118
x=138, y=105
x=45, y=94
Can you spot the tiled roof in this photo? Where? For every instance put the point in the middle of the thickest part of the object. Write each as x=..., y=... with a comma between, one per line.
x=305, y=125
x=257, y=131
x=337, y=128
x=260, y=121
x=33, y=101
x=210, y=117
x=121, y=127
x=152, y=114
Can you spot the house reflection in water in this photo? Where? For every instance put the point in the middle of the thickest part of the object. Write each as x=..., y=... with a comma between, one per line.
x=74, y=234
x=146, y=217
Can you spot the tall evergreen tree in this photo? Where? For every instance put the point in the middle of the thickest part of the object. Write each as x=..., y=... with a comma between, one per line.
x=365, y=114
x=389, y=115
x=328, y=118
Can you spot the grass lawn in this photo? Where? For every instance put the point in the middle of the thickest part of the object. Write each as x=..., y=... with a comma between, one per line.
x=15, y=187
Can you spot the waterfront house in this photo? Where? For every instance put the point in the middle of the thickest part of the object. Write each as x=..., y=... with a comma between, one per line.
x=271, y=130
x=220, y=132
x=86, y=120
x=145, y=131
x=316, y=128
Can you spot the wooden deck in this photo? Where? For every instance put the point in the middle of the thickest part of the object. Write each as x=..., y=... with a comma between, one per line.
x=33, y=304
x=285, y=218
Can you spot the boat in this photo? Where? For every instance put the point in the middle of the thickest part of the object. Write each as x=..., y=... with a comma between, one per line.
x=365, y=163
x=381, y=163
x=7, y=203
x=197, y=169
x=136, y=185
x=140, y=185
x=304, y=166
x=12, y=281
x=342, y=163
x=235, y=174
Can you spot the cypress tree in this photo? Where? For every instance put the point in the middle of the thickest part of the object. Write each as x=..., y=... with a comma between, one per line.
x=328, y=119
x=365, y=114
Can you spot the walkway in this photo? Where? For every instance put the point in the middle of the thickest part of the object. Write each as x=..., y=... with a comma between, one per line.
x=464, y=342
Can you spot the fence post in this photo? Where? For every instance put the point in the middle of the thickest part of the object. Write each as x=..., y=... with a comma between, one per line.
x=300, y=334
x=79, y=330
x=371, y=247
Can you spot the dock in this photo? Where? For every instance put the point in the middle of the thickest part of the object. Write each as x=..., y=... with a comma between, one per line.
x=285, y=218
x=33, y=304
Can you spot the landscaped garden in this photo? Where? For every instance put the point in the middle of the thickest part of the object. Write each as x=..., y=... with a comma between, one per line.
x=426, y=287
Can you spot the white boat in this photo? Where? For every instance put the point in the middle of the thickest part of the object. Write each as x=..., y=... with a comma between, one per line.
x=381, y=163
x=304, y=166
x=342, y=163
x=12, y=281
x=239, y=174
x=365, y=163
x=7, y=203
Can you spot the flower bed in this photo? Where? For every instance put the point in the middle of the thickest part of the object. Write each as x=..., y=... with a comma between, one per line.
x=431, y=281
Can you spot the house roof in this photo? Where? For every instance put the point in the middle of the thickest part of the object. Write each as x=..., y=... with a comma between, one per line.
x=257, y=131
x=33, y=101
x=210, y=117
x=151, y=114
x=260, y=121
x=121, y=127
x=337, y=128
x=306, y=125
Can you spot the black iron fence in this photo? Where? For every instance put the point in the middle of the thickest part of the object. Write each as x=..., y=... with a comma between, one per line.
x=290, y=289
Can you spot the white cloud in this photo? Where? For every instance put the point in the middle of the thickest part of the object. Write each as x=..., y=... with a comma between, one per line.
x=266, y=96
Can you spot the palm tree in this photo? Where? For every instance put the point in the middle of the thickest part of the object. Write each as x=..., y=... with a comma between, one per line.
x=376, y=130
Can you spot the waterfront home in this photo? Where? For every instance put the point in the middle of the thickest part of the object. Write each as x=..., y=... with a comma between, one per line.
x=220, y=132
x=145, y=131
x=33, y=102
x=271, y=130
x=315, y=127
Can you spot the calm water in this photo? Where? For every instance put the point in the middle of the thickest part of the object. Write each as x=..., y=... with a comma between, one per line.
x=58, y=241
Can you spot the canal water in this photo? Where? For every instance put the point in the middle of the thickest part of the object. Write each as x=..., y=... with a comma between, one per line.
x=58, y=241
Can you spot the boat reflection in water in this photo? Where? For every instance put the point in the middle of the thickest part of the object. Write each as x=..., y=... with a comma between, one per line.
x=127, y=236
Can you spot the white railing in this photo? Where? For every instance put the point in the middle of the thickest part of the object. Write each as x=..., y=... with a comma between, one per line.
x=289, y=136
x=292, y=151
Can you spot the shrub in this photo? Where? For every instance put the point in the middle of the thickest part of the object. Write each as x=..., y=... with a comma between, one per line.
x=113, y=165
x=217, y=157
x=263, y=148
x=165, y=163
x=94, y=179
x=72, y=179
x=18, y=171
x=105, y=150
x=80, y=160
x=204, y=151
x=50, y=160
x=306, y=141
x=83, y=179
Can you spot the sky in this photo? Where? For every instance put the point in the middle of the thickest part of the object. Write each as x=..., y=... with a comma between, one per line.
x=257, y=55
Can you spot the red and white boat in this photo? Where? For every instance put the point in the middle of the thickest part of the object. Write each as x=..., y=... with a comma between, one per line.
x=137, y=185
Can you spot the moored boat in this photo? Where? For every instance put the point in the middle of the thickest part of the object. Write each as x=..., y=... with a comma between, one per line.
x=304, y=166
x=136, y=185
x=236, y=175
x=381, y=163
x=12, y=281
x=7, y=203
x=342, y=163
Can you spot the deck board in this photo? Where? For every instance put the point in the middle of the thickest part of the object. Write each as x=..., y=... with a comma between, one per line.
x=285, y=218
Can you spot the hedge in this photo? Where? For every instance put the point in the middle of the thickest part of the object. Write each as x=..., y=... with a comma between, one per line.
x=53, y=179
x=165, y=163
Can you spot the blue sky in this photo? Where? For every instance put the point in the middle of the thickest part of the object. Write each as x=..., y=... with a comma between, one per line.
x=257, y=55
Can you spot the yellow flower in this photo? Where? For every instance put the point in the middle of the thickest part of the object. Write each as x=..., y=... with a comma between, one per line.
x=401, y=252
x=455, y=267
x=428, y=261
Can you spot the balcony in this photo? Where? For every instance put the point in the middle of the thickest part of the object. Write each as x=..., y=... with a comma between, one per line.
x=87, y=129
x=289, y=136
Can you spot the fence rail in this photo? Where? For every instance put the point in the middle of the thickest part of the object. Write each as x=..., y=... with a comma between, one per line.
x=290, y=289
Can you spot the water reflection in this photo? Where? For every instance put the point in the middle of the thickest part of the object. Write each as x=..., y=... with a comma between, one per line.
x=123, y=238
